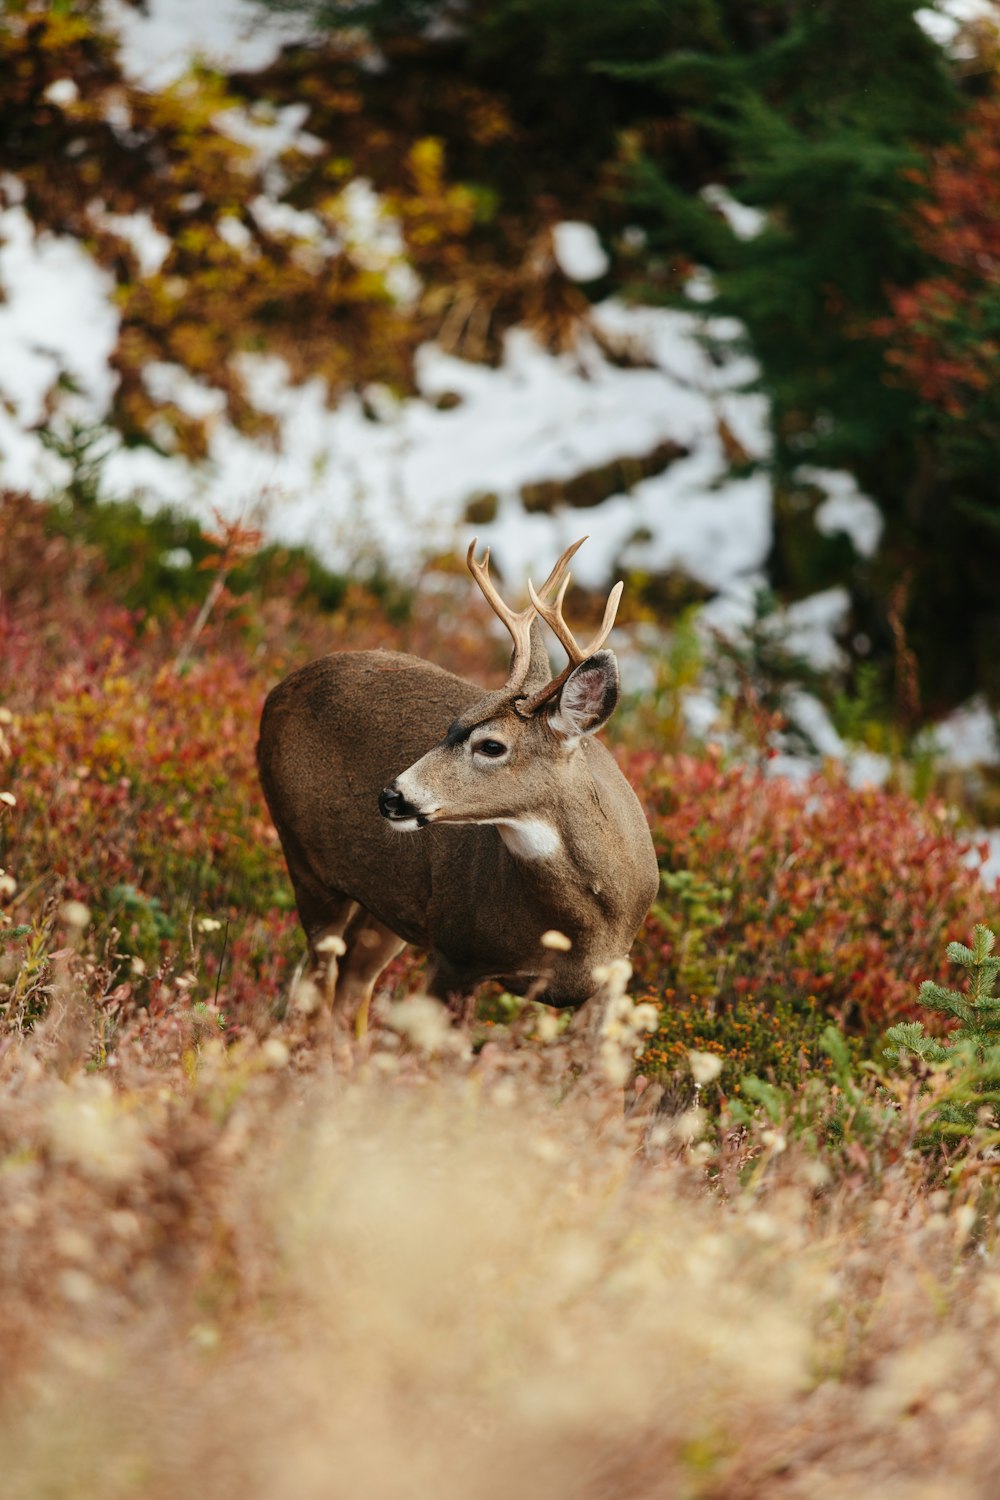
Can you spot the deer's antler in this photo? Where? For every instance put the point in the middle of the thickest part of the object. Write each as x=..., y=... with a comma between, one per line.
x=553, y=616
x=518, y=622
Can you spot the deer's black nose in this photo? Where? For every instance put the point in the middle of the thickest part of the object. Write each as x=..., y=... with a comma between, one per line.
x=394, y=806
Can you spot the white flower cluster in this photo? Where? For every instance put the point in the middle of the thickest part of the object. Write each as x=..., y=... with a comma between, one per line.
x=8, y=885
x=427, y=1026
x=626, y=1024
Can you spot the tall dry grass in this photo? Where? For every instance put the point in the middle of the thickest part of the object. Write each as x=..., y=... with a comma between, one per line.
x=412, y=1272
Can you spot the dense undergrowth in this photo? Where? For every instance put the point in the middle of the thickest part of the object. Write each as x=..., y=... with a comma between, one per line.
x=128, y=743
x=741, y=1284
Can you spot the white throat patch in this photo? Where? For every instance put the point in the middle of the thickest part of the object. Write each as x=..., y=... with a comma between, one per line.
x=529, y=838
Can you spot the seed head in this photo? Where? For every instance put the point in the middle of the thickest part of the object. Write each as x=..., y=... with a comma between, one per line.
x=705, y=1066
x=332, y=944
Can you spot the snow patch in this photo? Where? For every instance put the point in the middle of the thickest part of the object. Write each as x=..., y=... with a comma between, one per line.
x=166, y=382
x=374, y=239
x=358, y=489
x=944, y=21
x=157, y=43
x=281, y=219
x=269, y=132
x=578, y=251
x=151, y=246
x=62, y=92
x=700, y=286
x=745, y=222
x=969, y=737
x=989, y=868
x=806, y=629
x=809, y=628
x=845, y=508
x=57, y=319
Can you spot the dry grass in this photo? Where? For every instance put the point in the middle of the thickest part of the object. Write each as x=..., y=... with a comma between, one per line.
x=412, y=1272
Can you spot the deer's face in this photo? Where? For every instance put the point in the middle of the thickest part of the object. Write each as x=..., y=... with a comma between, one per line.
x=505, y=769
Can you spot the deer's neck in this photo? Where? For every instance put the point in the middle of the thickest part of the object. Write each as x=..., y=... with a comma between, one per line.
x=530, y=839
x=561, y=854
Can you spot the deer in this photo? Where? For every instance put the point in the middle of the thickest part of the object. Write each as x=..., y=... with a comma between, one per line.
x=489, y=828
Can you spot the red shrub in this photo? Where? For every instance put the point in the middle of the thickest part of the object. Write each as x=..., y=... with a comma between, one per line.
x=799, y=890
x=137, y=795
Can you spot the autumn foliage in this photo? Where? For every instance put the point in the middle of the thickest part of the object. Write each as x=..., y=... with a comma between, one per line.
x=227, y=231
x=785, y=904
x=943, y=335
x=129, y=748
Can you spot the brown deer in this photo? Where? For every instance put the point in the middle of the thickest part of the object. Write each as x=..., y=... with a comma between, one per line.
x=412, y=807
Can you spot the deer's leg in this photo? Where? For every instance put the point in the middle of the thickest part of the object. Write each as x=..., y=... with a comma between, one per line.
x=325, y=916
x=370, y=946
x=446, y=984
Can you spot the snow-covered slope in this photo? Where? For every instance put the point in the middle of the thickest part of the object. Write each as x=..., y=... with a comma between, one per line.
x=399, y=486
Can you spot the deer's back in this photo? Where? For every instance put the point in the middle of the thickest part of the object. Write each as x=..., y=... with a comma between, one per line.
x=332, y=735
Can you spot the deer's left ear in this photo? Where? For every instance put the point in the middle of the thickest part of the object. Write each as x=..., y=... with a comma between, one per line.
x=589, y=697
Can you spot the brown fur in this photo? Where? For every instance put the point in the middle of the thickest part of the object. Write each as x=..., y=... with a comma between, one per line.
x=341, y=729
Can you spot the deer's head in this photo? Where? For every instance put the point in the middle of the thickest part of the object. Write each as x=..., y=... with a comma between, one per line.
x=513, y=759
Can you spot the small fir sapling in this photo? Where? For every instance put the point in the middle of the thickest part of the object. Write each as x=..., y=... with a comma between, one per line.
x=972, y=1049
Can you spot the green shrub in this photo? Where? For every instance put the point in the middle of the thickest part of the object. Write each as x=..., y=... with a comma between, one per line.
x=778, y=1041
x=968, y=1057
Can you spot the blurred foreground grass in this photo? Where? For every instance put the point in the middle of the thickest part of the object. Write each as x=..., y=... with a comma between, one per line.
x=261, y=1275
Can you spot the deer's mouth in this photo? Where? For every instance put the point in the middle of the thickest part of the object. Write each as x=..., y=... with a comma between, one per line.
x=400, y=812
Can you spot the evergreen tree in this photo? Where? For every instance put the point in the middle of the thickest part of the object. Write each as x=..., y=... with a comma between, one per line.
x=825, y=114
x=971, y=1052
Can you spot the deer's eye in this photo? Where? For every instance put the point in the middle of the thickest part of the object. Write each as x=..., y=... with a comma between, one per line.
x=493, y=749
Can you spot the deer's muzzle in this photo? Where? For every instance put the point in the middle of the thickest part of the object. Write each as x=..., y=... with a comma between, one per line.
x=394, y=806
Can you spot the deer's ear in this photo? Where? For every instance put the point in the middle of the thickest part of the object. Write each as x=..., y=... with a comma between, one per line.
x=589, y=697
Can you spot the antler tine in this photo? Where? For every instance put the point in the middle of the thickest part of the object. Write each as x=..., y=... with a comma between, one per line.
x=559, y=576
x=553, y=617
x=610, y=615
x=518, y=622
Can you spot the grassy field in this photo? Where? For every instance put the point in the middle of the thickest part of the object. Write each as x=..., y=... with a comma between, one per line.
x=243, y=1254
